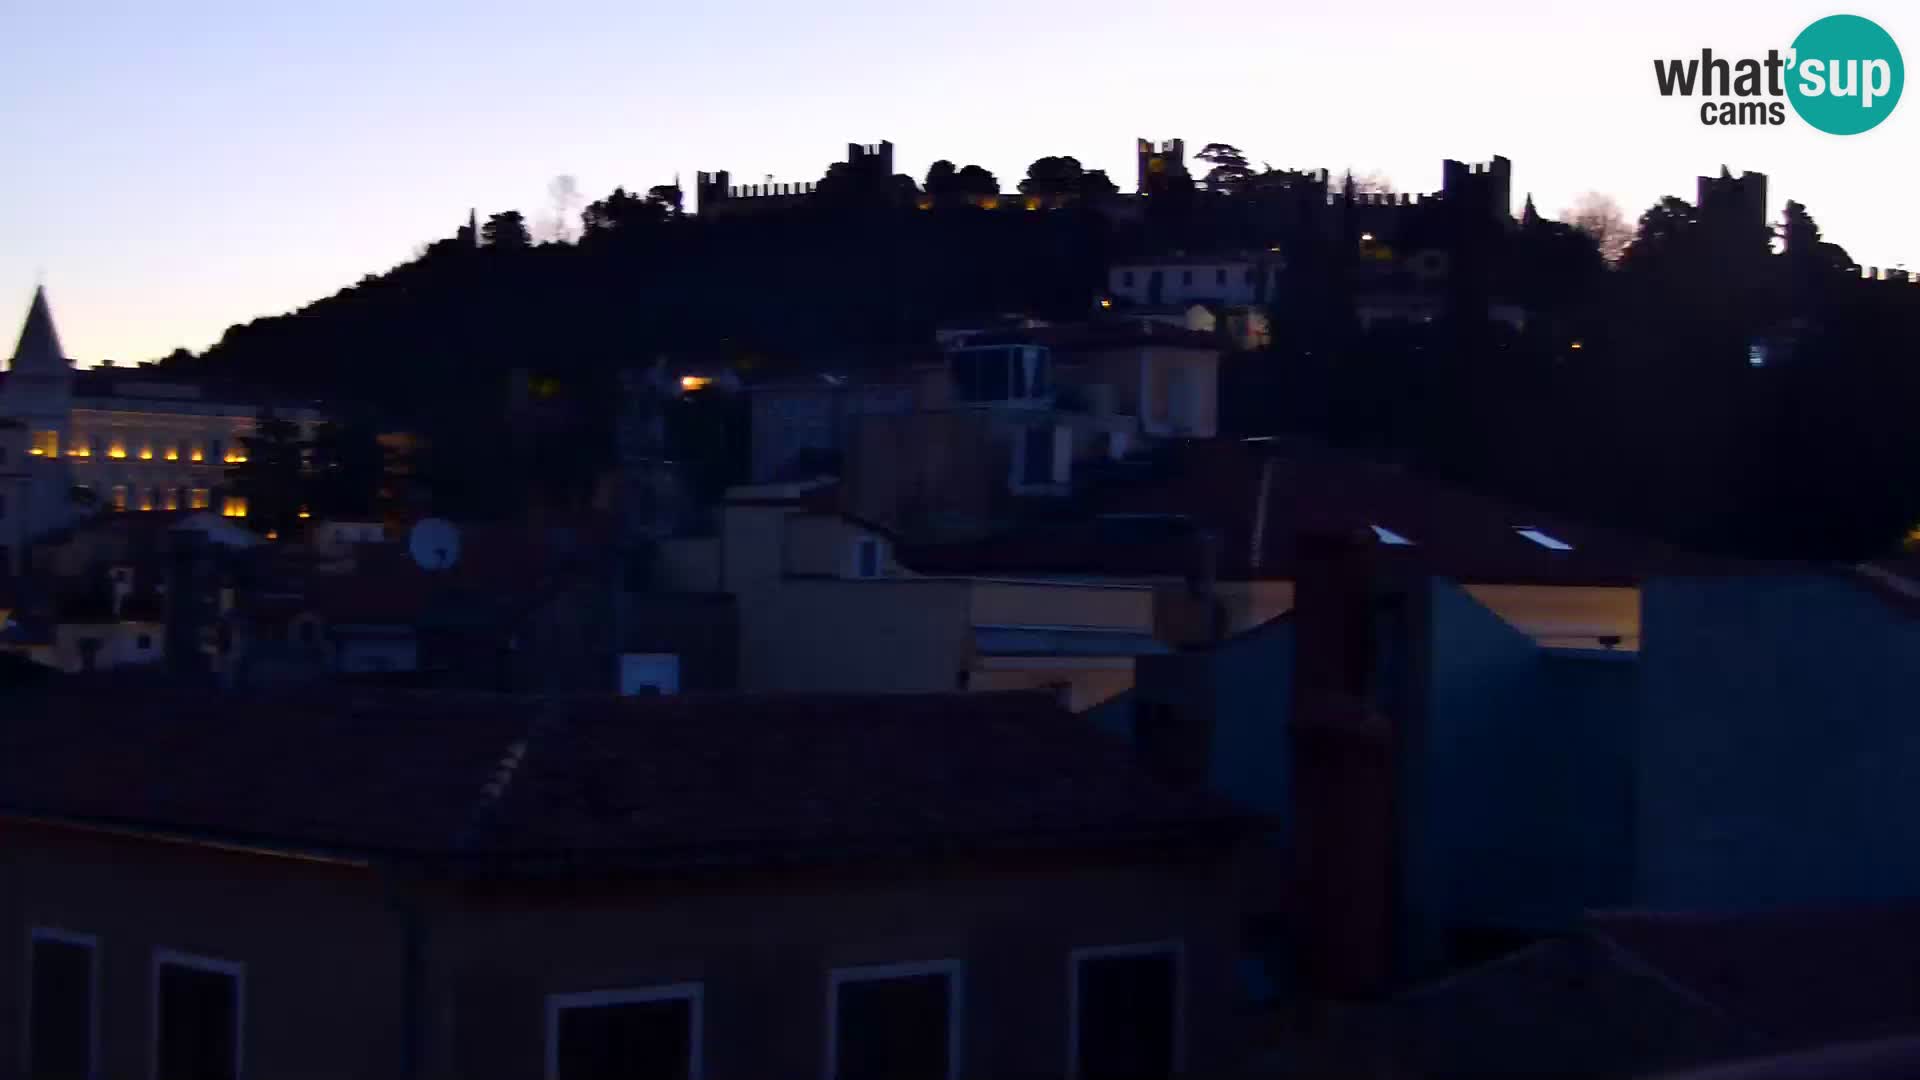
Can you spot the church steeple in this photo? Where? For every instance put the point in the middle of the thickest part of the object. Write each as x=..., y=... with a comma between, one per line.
x=39, y=351
x=1529, y=216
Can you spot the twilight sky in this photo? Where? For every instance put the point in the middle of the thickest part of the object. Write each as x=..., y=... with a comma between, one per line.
x=173, y=167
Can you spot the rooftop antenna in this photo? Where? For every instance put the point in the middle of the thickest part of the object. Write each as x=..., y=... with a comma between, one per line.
x=434, y=544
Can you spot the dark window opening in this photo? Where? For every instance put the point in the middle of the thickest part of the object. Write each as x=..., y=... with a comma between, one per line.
x=198, y=1016
x=893, y=1029
x=144, y=642
x=1126, y=278
x=60, y=1039
x=1125, y=1016
x=1037, y=467
x=619, y=1041
x=1186, y=277
x=1220, y=276
x=869, y=559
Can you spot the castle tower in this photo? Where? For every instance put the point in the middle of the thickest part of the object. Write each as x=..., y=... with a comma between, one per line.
x=1169, y=156
x=1481, y=189
x=1740, y=200
x=38, y=402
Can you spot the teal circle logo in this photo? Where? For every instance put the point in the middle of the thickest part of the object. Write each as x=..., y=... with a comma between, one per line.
x=1846, y=76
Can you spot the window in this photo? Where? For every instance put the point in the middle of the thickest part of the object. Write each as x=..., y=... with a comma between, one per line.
x=198, y=1017
x=3, y=455
x=1124, y=1011
x=1126, y=279
x=197, y=454
x=198, y=498
x=45, y=444
x=63, y=1006
x=616, y=1034
x=233, y=506
x=1542, y=539
x=1186, y=277
x=866, y=557
x=147, y=497
x=173, y=500
x=1220, y=276
x=900, y=1020
x=213, y=450
x=1036, y=459
x=3, y=506
x=1252, y=275
x=143, y=642
x=1388, y=536
x=119, y=496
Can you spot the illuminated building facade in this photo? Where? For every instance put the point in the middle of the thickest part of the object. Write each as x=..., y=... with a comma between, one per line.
x=109, y=439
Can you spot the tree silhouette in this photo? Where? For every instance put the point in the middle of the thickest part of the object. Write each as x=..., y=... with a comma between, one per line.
x=1600, y=217
x=1230, y=169
x=272, y=476
x=506, y=230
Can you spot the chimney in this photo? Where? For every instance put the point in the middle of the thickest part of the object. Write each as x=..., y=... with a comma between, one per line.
x=186, y=610
x=1355, y=681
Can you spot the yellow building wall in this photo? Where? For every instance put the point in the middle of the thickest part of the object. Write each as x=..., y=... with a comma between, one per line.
x=823, y=634
x=1119, y=607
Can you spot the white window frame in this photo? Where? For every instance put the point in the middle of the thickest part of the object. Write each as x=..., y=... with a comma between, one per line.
x=691, y=992
x=1176, y=948
x=953, y=969
x=90, y=942
x=232, y=969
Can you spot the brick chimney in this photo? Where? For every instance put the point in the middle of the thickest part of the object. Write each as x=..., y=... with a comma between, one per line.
x=1350, y=718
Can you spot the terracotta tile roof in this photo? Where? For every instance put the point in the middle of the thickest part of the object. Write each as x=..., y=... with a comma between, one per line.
x=1799, y=978
x=1562, y=1008
x=1256, y=497
x=509, y=566
x=513, y=784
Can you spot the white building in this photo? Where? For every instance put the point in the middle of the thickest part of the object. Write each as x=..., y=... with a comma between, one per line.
x=1230, y=280
x=111, y=438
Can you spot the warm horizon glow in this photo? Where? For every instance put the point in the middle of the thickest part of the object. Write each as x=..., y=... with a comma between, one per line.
x=197, y=165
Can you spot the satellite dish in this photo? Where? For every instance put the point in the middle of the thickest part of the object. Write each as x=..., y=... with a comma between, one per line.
x=434, y=544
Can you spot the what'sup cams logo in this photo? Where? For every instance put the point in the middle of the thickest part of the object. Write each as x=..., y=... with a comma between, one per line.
x=1843, y=75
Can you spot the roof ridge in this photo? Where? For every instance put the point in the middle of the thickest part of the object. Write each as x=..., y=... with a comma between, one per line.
x=1633, y=960
x=486, y=808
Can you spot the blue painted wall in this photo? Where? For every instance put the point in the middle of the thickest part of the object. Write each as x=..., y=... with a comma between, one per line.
x=1781, y=745
x=1518, y=792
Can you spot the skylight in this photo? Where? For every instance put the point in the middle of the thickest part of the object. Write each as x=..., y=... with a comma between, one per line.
x=1542, y=539
x=1388, y=536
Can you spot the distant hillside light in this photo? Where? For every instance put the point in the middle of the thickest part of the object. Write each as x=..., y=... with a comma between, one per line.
x=1106, y=302
x=1366, y=238
x=1576, y=346
x=694, y=382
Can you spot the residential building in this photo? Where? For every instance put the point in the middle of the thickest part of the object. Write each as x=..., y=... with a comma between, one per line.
x=824, y=606
x=112, y=438
x=1232, y=508
x=1230, y=279
x=474, y=886
x=1446, y=785
x=521, y=608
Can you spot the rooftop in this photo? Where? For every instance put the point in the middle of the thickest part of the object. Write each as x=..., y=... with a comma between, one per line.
x=502, y=784
x=1256, y=496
